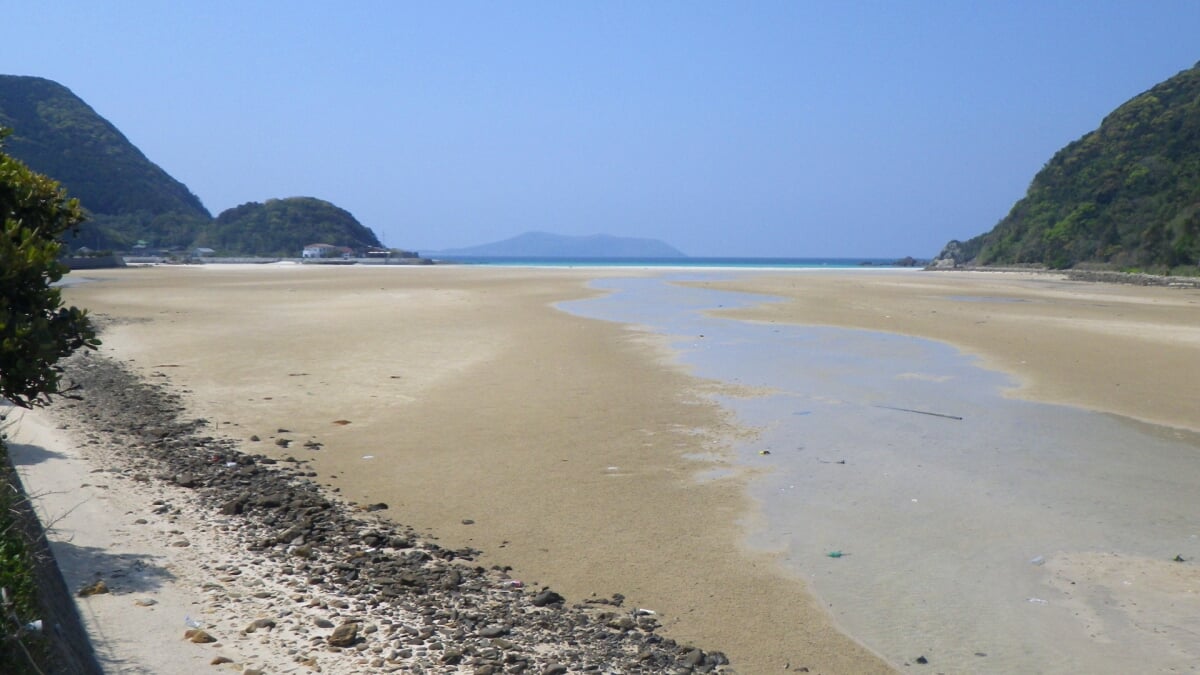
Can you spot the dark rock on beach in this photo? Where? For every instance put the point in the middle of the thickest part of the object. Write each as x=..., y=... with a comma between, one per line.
x=397, y=599
x=344, y=635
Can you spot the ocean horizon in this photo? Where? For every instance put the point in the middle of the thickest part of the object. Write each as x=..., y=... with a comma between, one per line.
x=726, y=262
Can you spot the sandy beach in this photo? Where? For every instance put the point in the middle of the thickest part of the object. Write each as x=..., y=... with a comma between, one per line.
x=1128, y=350
x=569, y=448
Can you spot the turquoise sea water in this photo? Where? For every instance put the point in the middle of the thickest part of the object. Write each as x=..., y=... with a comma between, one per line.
x=734, y=263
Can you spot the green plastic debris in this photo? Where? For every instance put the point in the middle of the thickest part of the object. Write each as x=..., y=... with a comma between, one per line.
x=835, y=554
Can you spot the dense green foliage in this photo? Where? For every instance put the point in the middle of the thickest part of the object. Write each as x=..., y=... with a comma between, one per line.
x=20, y=650
x=127, y=196
x=35, y=332
x=35, y=329
x=1126, y=194
x=282, y=227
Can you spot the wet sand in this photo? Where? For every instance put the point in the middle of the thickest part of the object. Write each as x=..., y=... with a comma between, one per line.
x=1129, y=350
x=980, y=532
x=572, y=444
x=469, y=398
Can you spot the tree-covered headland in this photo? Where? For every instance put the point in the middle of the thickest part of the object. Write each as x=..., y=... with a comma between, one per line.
x=132, y=203
x=1126, y=195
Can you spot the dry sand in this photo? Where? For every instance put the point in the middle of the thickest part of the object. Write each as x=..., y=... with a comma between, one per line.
x=1128, y=350
x=468, y=397
x=561, y=438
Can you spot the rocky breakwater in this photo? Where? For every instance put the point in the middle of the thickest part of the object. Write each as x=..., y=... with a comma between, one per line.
x=336, y=587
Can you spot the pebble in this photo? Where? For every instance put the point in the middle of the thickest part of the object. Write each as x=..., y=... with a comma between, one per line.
x=96, y=588
x=199, y=636
x=399, y=600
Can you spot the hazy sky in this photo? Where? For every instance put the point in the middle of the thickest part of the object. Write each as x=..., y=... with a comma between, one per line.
x=724, y=128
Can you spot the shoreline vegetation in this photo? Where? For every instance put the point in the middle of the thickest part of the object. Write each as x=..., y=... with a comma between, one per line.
x=1084, y=273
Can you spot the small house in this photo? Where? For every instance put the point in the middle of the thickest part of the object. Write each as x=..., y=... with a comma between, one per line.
x=320, y=251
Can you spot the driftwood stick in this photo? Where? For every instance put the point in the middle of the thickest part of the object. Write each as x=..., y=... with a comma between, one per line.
x=920, y=412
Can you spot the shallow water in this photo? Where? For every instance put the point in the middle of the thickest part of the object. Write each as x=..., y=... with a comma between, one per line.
x=983, y=533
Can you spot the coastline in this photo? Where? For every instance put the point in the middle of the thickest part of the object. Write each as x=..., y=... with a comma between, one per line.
x=480, y=402
x=902, y=456
x=1122, y=349
x=555, y=454
x=262, y=571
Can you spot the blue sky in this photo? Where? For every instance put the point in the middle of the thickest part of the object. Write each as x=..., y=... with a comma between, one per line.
x=754, y=128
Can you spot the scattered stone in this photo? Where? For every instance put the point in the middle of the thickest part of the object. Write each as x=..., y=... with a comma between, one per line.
x=145, y=602
x=218, y=660
x=267, y=624
x=922, y=660
x=199, y=636
x=467, y=521
x=399, y=601
x=547, y=597
x=96, y=588
x=344, y=635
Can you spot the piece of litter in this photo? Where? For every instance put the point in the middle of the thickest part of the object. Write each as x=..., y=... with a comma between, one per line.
x=764, y=452
x=1037, y=601
x=230, y=464
x=368, y=456
x=192, y=623
x=835, y=554
x=35, y=626
x=1037, y=560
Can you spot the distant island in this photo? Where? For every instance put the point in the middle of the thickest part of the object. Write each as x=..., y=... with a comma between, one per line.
x=546, y=245
x=1124, y=197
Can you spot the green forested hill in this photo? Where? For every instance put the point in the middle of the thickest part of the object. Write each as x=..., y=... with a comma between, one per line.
x=1126, y=194
x=127, y=196
x=282, y=227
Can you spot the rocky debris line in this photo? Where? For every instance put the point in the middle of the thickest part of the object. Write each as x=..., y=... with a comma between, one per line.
x=1103, y=276
x=1133, y=278
x=340, y=583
